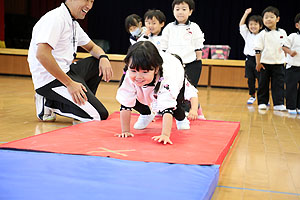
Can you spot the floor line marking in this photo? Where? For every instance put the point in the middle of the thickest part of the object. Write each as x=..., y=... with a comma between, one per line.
x=259, y=190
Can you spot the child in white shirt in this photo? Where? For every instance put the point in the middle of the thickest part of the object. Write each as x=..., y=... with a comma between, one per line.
x=249, y=34
x=134, y=26
x=153, y=79
x=292, y=48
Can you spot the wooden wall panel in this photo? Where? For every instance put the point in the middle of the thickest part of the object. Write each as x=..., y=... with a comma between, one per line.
x=228, y=77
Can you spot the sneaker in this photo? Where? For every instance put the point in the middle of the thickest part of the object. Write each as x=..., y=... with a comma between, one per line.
x=279, y=108
x=143, y=121
x=251, y=100
x=262, y=107
x=183, y=125
x=43, y=112
x=298, y=111
x=292, y=112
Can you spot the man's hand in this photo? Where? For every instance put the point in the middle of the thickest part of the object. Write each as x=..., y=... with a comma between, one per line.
x=105, y=69
x=77, y=91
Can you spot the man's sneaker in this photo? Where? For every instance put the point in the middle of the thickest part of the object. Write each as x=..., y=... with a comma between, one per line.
x=262, y=107
x=279, y=108
x=43, y=113
x=183, y=125
x=251, y=100
x=292, y=112
x=143, y=121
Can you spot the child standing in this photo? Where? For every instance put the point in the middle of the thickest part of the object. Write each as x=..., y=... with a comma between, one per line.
x=249, y=33
x=154, y=21
x=185, y=39
x=270, y=60
x=134, y=26
x=292, y=48
x=157, y=80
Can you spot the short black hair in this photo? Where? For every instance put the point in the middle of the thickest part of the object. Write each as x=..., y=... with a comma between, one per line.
x=272, y=10
x=132, y=20
x=297, y=18
x=159, y=15
x=256, y=18
x=191, y=3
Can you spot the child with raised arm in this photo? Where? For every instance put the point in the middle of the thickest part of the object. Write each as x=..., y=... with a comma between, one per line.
x=157, y=80
x=134, y=26
x=154, y=21
x=270, y=61
x=249, y=33
x=292, y=48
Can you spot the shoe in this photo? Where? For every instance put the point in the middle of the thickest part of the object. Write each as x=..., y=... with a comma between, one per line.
x=279, y=108
x=143, y=121
x=298, y=111
x=43, y=112
x=251, y=108
x=251, y=100
x=262, y=107
x=292, y=112
x=183, y=125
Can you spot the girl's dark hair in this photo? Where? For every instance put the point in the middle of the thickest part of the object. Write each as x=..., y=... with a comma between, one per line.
x=143, y=55
x=256, y=18
x=297, y=18
x=191, y=3
x=271, y=9
x=132, y=20
x=159, y=15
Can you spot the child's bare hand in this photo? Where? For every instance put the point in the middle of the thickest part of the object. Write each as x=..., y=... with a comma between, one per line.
x=259, y=66
x=248, y=11
x=293, y=53
x=124, y=135
x=192, y=115
x=162, y=138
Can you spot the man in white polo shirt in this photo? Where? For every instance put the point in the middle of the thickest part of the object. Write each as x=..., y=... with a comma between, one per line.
x=61, y=86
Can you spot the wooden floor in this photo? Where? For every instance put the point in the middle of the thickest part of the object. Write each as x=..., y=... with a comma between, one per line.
x=263, y=164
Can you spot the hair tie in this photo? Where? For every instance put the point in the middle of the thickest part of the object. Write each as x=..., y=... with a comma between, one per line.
x=160, y=79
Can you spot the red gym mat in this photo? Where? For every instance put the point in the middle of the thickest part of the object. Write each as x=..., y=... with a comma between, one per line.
x=206, y=143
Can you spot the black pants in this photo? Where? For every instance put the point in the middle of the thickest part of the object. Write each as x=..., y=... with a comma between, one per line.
x=293, y=88
x=193, y=71
x=251, y=73
x=275, y=74
x=85, y=71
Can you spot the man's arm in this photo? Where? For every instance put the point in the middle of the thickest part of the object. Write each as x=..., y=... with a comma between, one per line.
x=45, y=57
x=105, y=68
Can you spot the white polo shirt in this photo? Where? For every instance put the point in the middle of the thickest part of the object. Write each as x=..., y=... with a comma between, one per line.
x=57, y=29
x=249, y=39
x=173, y=76
x=183, y=40
x=270, y=43
x=293, y=42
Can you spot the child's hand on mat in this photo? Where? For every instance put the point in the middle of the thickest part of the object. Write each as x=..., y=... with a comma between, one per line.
x=192, y=115
x=162, y=138
x=125, y=134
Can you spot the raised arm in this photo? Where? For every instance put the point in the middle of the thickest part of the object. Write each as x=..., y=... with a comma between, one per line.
x=244, y=17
